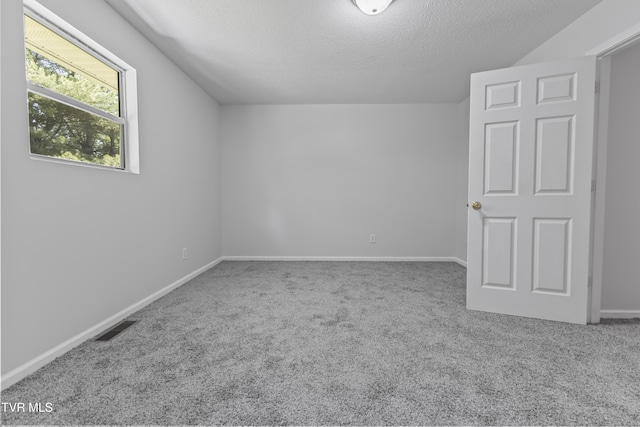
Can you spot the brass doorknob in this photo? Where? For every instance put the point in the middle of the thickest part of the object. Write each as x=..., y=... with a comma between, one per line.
x=476, y=205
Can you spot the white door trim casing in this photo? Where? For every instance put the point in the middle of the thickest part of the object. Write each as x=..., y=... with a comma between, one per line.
x=599, y=178
x=614, y=44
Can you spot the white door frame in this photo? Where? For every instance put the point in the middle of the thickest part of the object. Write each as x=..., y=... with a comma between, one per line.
x=603, y=53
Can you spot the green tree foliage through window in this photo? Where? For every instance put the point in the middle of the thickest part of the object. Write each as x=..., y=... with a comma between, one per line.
x=73, y=97
x=45, y=72
x=66, y=132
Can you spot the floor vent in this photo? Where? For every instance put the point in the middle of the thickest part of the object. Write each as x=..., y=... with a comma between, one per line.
x=116, y=330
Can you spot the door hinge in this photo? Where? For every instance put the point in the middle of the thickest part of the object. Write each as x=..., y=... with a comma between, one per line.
x=590, y=282
x=597, y=87
x=593, y=186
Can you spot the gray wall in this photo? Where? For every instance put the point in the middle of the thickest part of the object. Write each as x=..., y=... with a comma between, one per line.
x=621, y=267
x=81, y=244
x=317, y=180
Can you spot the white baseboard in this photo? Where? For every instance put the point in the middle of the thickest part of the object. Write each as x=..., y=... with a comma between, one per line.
x=619, y=314
x=459, y=261
x=330, y=258
x=33, y=365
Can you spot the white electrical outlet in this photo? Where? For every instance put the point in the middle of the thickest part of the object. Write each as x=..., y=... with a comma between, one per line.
x=184, y=253
x=372, y=238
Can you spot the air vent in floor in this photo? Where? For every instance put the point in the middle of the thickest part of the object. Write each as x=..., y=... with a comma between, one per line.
x=116, y=330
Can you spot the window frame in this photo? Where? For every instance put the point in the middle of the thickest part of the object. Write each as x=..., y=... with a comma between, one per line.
x=127, y=82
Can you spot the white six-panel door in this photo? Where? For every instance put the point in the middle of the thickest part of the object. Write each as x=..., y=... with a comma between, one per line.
x=530, y=170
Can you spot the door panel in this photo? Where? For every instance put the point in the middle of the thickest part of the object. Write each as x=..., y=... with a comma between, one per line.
x=501, y=143
x=530, y=160
x=556, y=88
x=554, y=155
x=551, y=254
x=503, y=95
x=499, y=257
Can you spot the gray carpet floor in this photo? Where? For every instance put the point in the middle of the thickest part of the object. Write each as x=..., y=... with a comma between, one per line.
x=339, y=343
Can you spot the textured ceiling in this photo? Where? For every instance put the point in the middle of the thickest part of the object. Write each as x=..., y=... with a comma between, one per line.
x=328, y=51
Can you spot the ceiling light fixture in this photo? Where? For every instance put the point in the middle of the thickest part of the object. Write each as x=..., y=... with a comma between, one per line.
x=372, y=7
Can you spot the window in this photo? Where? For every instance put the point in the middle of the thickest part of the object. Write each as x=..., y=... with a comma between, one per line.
x=81, y=98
